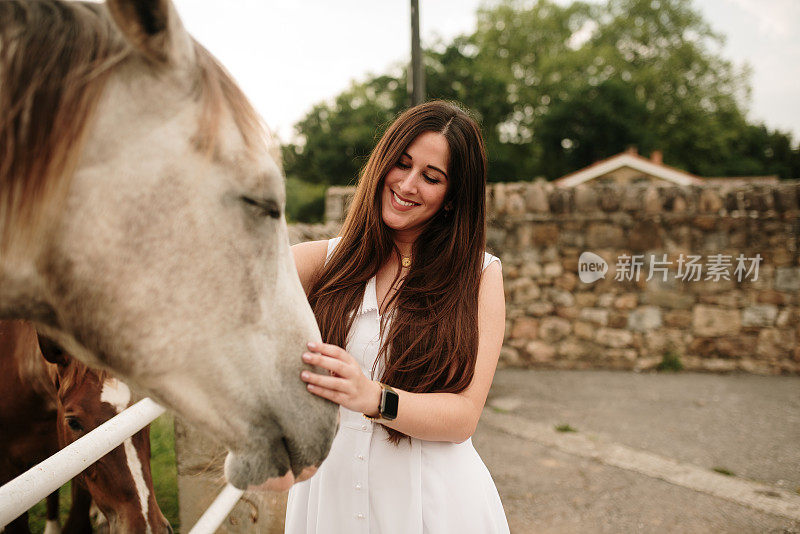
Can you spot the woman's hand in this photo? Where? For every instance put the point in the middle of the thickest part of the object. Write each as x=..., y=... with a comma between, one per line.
x=347, y=384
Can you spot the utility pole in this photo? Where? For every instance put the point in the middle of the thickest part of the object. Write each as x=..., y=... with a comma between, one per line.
x=416, y=73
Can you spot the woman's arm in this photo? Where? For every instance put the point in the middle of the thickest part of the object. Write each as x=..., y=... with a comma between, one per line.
x=309, y=257
x=429, y=416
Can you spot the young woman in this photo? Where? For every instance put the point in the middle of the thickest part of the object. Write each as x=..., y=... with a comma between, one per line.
x=418, y=306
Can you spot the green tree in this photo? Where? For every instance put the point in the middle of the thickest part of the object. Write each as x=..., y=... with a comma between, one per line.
x=335, y=139
x=591, y=124
x=557, y=87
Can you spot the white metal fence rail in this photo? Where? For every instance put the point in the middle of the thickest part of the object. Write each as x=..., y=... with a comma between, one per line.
x=41, y=480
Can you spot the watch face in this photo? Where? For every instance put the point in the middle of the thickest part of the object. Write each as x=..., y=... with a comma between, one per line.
x=389, y=404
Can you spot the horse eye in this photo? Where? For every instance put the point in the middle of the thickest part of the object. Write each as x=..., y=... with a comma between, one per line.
x=263, y=207
x=74, y=424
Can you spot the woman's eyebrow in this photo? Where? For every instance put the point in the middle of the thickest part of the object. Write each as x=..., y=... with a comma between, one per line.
x=406, y=154
x=438, y=169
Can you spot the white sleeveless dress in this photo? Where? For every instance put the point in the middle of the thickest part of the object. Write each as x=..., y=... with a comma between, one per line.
x=367, y=485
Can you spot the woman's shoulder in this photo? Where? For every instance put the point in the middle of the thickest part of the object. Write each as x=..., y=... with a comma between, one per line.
x=488, y=259
x=331, y=246
x=309, y=257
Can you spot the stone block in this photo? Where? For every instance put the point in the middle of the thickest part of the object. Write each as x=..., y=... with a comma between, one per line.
x=788, y=318
x=609, y=198
x=644, y=236
x=615, y=338
x=787, y=279
x=668, y=299
x=731, y=299
x=584, y=330
x=566, y=281
x=602, y=235
x=618, y=319
x=653, y=202
x=567, y=312
x=761, y=315
x=677, y=319
x=560, y=200
x=540, y=308
x=710, y=201
x=702, y=346
x=515, y=205
x=553, y=269
x=536, y=199
x=525, y=328
x=540, y=352
x=605, y=300
x=644, y=318
x=742, y=346
x=585, y=199
x=584, y=299
x=559, y=297
x=574, y=350
x=704, y=222
x=531, y=269
x=619, y=358
x=775, y=344
x=522, y=291
x=715, y=321
x=626, y=301
x=509, y=357
x=552, y=329
x=594, y=315
x=785, y=198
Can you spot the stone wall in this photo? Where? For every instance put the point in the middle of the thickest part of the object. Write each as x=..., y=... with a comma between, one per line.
x=717, y=319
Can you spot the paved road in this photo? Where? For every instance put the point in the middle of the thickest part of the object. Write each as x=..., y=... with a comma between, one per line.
x=645, y=450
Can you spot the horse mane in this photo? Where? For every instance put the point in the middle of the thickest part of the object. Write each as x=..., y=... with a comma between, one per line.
x=55, y=59
x=74, y=373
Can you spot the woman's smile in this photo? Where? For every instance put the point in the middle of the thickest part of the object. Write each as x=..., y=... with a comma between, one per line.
x=402, y=204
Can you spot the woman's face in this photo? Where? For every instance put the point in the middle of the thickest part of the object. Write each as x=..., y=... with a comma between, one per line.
x=415, y=188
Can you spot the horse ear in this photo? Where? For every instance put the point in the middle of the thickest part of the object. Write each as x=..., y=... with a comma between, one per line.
x=52, y=351
x=154, y=29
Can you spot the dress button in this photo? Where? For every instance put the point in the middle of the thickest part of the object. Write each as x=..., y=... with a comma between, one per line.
x=360, y=515
x=358, y=486
x=360, y=456
x=363, y=427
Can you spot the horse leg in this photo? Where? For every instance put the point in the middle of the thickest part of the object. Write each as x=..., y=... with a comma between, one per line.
x=53, y=525
x=78, y=520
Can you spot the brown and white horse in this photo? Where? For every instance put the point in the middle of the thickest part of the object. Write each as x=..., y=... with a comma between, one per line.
x=142, y=229
x=46, y=406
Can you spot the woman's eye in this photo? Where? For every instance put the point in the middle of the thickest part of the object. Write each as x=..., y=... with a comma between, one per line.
x=431, y=179
x=403, y=165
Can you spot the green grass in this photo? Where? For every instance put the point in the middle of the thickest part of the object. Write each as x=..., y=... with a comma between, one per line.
x=670, y=362
x=38, y=514
x=165, y=478
x=162, y=464
x=565, y=428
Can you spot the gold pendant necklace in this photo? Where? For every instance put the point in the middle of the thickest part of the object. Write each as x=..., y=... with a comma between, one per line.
x=406, y=261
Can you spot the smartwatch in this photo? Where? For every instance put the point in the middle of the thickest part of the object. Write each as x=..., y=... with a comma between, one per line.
x=388, y=406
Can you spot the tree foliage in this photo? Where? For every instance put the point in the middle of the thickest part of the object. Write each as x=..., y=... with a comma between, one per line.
x=556, y=88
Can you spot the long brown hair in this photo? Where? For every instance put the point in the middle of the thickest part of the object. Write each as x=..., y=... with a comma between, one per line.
x=432, y=339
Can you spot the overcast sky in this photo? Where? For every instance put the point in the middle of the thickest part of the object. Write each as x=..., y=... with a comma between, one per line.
x=290, y=55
